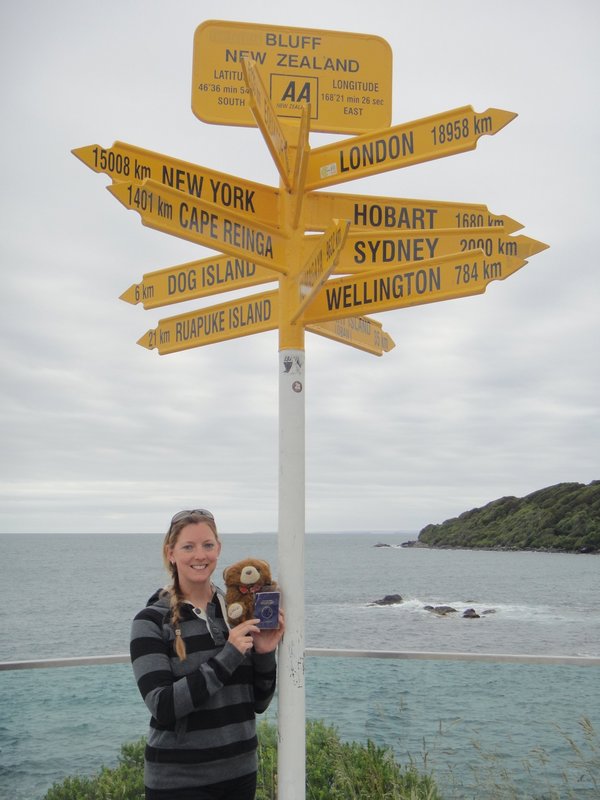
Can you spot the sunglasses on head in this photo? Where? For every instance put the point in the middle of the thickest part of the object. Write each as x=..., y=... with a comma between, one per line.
x=203, y=512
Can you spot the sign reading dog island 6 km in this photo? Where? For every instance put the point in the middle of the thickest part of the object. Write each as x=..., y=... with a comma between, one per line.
x=345, y=77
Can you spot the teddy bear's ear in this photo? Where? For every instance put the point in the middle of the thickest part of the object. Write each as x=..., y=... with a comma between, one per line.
x=225, y=571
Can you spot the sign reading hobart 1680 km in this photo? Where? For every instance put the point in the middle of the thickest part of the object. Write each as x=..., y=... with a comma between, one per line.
x=345, y=77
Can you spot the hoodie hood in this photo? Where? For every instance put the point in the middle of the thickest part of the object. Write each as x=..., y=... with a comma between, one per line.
x=160, y=598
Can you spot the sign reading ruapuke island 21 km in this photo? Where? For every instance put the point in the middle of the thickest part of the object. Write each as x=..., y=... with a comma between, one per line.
x=331, y=258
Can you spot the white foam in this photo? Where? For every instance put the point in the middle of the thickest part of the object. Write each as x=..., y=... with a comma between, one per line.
x=507, y=611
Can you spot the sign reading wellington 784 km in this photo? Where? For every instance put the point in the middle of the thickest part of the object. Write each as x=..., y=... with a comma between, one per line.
x=346, y=78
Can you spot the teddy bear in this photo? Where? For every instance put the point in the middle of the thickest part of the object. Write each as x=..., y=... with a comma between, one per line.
x=243, y=580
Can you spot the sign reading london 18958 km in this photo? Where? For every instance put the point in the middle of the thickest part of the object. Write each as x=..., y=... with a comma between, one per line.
x=345, y=77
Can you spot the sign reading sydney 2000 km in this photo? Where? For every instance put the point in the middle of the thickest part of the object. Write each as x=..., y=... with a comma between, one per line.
x=345, y=77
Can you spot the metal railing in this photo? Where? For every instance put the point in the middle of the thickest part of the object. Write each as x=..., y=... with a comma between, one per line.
x=432, y=711
x=402, y=655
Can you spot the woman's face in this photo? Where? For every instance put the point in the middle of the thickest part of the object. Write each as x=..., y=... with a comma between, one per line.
x=195, y=555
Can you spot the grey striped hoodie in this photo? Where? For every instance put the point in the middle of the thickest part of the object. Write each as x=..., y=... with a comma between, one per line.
x=202, y=729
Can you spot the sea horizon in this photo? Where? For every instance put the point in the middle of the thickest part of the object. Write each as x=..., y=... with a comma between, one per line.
x=386, y=532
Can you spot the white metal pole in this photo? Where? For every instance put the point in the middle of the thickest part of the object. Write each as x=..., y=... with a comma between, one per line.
x=292, y=713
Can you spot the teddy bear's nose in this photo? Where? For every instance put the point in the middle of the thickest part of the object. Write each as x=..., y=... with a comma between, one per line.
x=250, y=574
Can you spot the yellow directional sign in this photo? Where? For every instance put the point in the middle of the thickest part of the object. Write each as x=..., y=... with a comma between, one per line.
x=444, y=278
x=267, y=121
x=366, y=249
x=363, y=333
x=425, y=139
x=196, y=279
x=126, y=162
x=253, y=314
x=320, y=264
x=173, y=212
x=346, y=77
x=395, y=213
x=300, y=167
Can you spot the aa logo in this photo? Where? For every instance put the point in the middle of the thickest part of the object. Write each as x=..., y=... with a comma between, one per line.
x=290, y=93
x=297, y=92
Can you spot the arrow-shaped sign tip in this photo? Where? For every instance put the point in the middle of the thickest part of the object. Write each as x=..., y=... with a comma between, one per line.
x=131, y=295
x=501, y=117
x=119, y=190
x=387, y=342
x=511, y=225
x=86, y=156
x=147, y=338
x=530, y=247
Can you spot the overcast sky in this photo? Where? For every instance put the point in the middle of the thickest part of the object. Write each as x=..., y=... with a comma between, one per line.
x=482, y=397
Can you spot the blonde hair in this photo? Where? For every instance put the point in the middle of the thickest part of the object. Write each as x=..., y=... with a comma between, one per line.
x=173, y=590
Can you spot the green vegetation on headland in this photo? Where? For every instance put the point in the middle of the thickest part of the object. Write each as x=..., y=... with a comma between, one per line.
x=338, y=770
x=564, y=518
x=335, y=770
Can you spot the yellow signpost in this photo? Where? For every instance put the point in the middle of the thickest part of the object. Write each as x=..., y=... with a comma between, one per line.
x=126, y=162
x=394, y=252
x=363, y=333
x=395, y=213
x=365, y=249
x=345, y=77
x=445, y=278
x=300, y=167
x=268, y=121
x=256, y=313
x=425, y=139
x=196, y=279
x=174, y=212
x=320, y=264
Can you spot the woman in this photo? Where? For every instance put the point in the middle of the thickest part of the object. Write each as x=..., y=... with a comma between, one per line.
x=202, y=682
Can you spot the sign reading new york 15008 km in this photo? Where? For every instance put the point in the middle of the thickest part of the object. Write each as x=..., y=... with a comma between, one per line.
x=346, y=77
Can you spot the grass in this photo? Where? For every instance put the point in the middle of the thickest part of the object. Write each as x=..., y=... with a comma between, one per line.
x=338, y=770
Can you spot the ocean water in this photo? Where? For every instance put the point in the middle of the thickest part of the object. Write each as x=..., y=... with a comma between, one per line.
x=486, y=730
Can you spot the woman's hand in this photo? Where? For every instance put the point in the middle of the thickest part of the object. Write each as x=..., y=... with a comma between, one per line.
x=265, y=641
x=241, y=635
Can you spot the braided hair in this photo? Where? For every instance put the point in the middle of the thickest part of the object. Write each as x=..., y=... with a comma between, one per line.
x=173, y=590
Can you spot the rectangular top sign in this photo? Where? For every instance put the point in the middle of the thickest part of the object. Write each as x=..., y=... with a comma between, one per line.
x=346, y=77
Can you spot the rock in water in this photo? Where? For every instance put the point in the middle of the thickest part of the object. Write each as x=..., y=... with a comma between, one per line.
x=389, y=600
